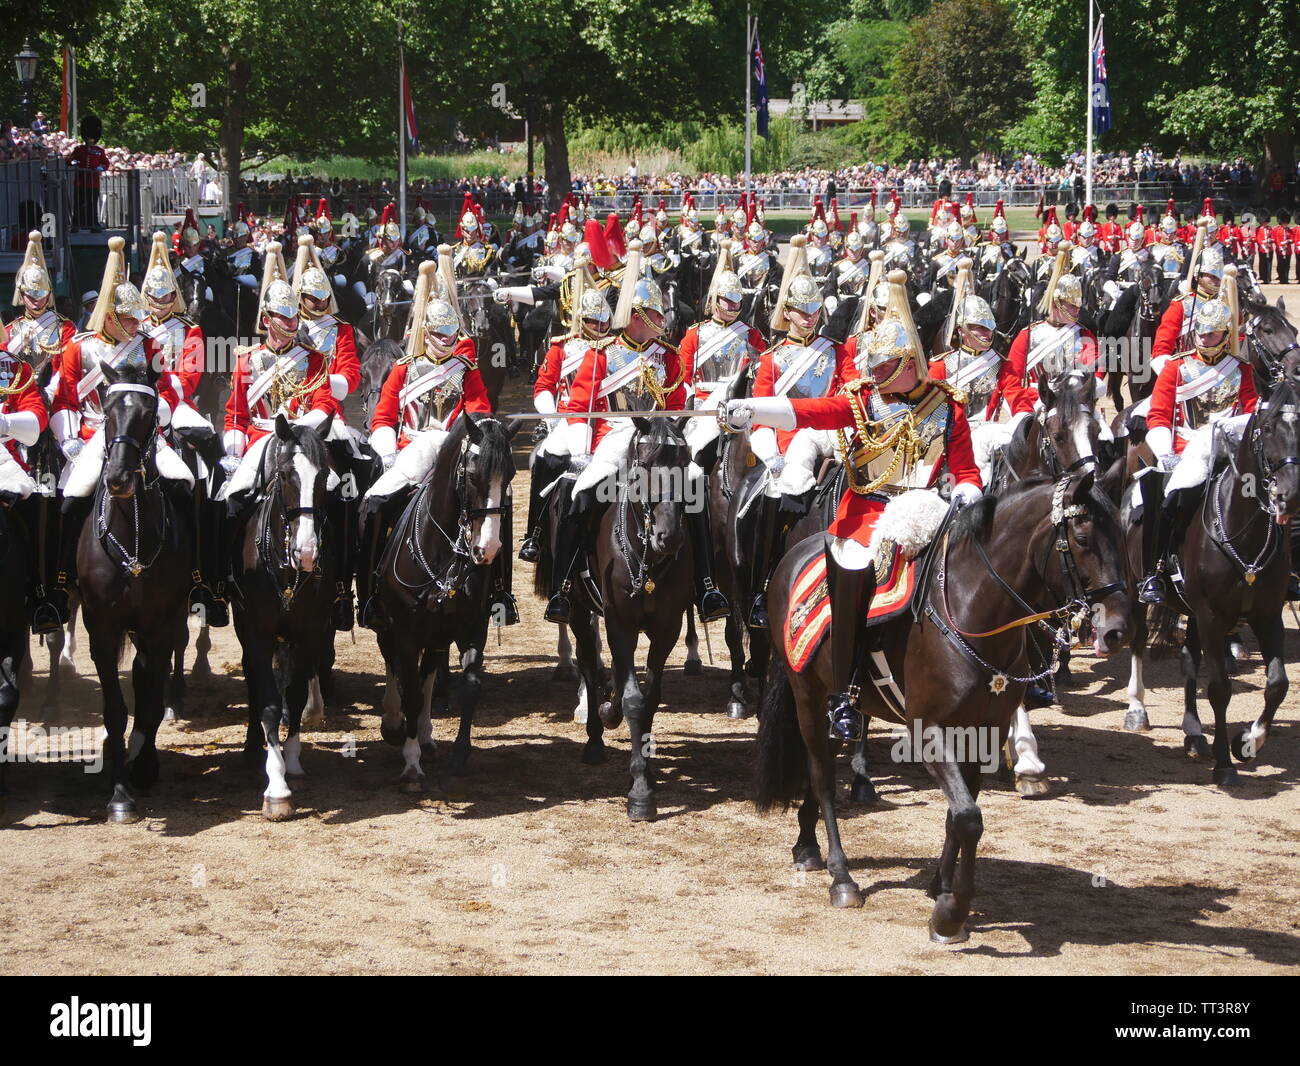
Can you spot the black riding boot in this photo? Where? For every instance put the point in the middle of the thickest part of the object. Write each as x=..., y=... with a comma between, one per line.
x=1155, y=589
x=850, y=594
x=373, y=538
x=764, y=551
x=344, y=511
x=503, y=572
x=570, y=543
x=712, y=604
x=209, y=521
x=545, y=470
x=53, y=611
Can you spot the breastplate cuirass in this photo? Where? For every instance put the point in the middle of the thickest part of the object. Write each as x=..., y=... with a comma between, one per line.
x=290, y=375
x=979, y=388
x=752, y=269
x=721, y=350
x=914, y=468
x=634, y=396
x=324, y=333
x=434, y=405
x=35, y=339
x=1215, y=401
x=817, y=377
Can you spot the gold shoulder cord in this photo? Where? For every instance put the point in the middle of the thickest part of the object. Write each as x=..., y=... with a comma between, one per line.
x=19, y=383
x=901, y=437
x=282, y=397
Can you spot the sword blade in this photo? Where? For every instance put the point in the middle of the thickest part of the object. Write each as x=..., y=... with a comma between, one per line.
x=613, y=414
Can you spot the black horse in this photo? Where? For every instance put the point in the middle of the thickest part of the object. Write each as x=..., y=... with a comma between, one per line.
x=434, y=590
x=286, y=573
x=134, y=560
x=15, y=574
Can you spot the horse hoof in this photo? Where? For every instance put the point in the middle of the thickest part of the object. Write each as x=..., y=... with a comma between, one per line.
x=593, y=753
x=959, y=937
x=393, y=734
x=737, y=710
x=277, y=808
x=121, y=808
x=1243, y=749
x=1224, y=776
x=847, y=895
x=1197, y=747
x=808, y=858
x=313, y=721
x=862, y=790
x=1032, y=786
x=200, y=671
x=610, y=717
x=565, y=672
x=412, y=786
x=642, y=810
x=693, y=668
x=1136, y=720
x=1064, y=678
x=169, y=714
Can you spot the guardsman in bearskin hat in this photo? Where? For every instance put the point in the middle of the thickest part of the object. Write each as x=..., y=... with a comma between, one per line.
x=114, y=338
x=39, y=334
x=629, y=370
x=1111, y=234
x=1208, y=385
x=898, y=429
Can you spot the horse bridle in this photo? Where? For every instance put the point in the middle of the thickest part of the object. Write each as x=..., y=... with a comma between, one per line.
x=641, y=577
x=130, y=561
x=1272, y=360
x=147, y=448
x=265, y=548
x=468, y=515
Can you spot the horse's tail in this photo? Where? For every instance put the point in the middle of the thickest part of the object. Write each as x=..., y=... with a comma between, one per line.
x=781, y=767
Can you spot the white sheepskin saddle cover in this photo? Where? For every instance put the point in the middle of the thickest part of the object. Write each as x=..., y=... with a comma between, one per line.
x=909, y=521
x=413, y=463
x=82, y=474
x=609, y=457
x=13, y=478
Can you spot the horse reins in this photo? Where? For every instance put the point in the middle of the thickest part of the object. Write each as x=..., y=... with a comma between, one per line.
x=129, y=561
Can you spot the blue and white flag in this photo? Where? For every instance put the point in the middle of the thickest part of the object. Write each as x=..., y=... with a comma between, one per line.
x=1100, y=91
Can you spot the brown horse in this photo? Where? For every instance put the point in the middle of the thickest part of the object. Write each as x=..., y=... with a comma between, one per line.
x=1043, y=550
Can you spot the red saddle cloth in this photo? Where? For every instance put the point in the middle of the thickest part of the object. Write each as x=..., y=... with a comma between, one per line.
x=808, y=618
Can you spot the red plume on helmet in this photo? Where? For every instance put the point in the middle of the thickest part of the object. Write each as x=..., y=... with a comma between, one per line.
x=1142, y=213
x=595, y=238
x=190, y=221
x=999, y=210
x=555, y=221
x=853, y=221
x=688, y=204
x=1090, y=213
x=564, y=215
x=1051, y=217
x=466, y=207
x=1207, y=209
x=241, y=210
x=749, y=212
x=614, y=241
x=1169, y=207
x=873, y=205
x=835, y=214
x=818, y=211
x=663, y=206
x=389, y=215
x=970, y=202
x=635, y=218
x=895, y=204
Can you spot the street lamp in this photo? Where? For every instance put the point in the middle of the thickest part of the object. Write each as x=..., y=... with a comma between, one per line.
x=25, y=66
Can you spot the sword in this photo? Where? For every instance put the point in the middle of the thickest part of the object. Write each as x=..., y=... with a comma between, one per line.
x=618, y=414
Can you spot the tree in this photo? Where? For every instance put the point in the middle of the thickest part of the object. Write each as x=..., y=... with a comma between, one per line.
x=960, y=78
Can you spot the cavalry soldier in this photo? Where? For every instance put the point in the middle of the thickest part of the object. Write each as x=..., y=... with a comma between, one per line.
x=327, y=250
x=970, y=221
x=755, y=266
x=473, y=253
x=1168, y=249
x=1124, y=267
x=688, y=240
x=1086, y=255
x=968, y=361
x=721, y=224
x=656, y=264
x=899, y=429
x=1049, y=240
x=847, y=282
x=23, y=418
x=423, y=395
x=188, y=238
x=1173, y=335
x=39, y=334
x=821, y=255
x=242, y=259
x=715, y=353
x=114, y=338
x=318, y=313
x=386, y=252
x=998, y=249
x=1050, y=346
x=556, y=278
x=1209, y=384
x=182, y=356
x=349, y=225
x=631, y=370
x=423, y=237
x=954, y=249
x=589, y=323
x=801, y=364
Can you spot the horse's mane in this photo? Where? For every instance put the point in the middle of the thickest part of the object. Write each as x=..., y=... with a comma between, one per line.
x=494, y=447
x=976, y=520
x=312, y=446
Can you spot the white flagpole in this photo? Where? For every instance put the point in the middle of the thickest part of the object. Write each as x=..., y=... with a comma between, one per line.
x=1088, y=103
x=749, y=81
x=401, y=129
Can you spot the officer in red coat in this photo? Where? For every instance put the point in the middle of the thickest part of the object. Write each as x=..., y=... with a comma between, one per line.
x=932, y=448
x=1282, y=247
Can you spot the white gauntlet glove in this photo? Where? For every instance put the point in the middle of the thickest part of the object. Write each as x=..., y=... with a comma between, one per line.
x=71, y=447
x=229, y=463
x=966, y=493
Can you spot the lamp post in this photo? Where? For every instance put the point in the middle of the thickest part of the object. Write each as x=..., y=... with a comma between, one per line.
x=25, y=67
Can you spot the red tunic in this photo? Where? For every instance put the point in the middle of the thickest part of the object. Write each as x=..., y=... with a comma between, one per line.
x=1019, y=388
x=1282, y=240
x=1165, y=411
x=238, y=415
x=25, y=395
x=71, y=367
x=691, y=344
x=857, y=514
x=183, y=358
x=388, y=409
x=766, y=378
x=551, y=378
x=585, y=395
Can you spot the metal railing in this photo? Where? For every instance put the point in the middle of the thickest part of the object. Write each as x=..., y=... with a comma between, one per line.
x=34, y=194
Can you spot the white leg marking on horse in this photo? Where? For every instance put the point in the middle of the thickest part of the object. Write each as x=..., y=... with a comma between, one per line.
x=392, y=700
x=424, y=727
x=134, y=744
x=1255, y=737
x=580, y=711
x=313, y=715
x=411, y=755
x=276, y=785
x=293, y=755
x=1191, y=724
x=1137, y=692
x=1025, y=745
x=488, y=541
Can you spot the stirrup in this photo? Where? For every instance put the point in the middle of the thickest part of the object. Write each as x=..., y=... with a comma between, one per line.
x=509, y=610
x=558, y=608
x=1153, y=590
x=844, y=716
x=344, y=615
x=713, y=605
x=48, y=617
x=758, y=618
x=371, y=615
x=530, y=551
